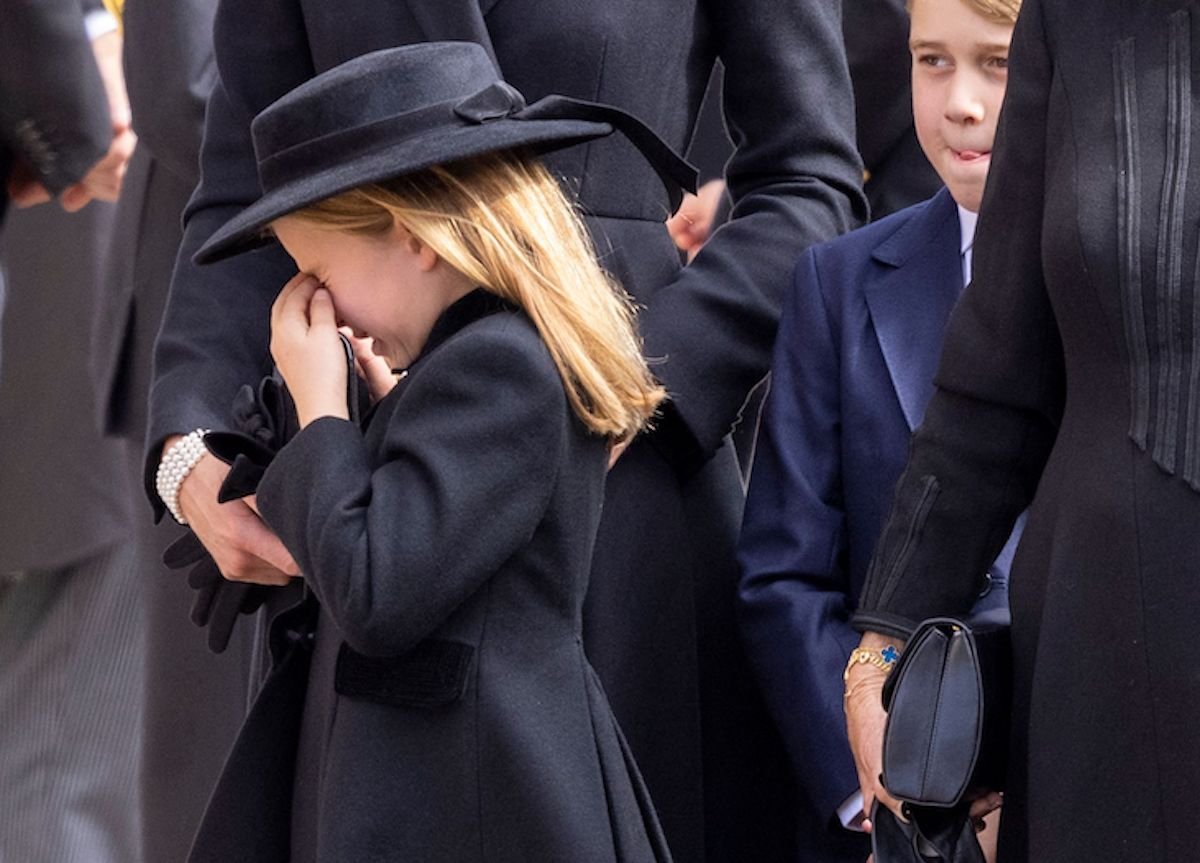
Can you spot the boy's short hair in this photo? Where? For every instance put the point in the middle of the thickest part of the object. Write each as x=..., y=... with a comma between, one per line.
x=996, y=11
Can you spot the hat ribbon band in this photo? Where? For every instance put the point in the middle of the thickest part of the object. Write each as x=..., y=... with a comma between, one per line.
x=327, y=151
x=674, y=171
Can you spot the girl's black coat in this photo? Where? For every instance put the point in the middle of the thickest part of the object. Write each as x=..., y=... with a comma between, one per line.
x=449, y=712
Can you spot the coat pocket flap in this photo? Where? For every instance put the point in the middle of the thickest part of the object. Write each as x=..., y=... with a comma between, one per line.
x=432, y=674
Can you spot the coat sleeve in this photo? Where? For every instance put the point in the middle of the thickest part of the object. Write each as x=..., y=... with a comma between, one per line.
x=795, y=179
x=53, y=109
x=466, y=474
x=976, y=460
x=794, y=598
x=204, y=352
x=169, y=71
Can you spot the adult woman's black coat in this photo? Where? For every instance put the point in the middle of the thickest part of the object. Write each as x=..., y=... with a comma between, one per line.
x=659, y=619
x=1071, y=376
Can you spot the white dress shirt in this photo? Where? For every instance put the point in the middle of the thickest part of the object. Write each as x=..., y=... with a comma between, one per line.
x=966, y=224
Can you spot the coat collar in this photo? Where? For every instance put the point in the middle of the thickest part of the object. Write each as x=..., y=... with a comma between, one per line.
x=919, y=281
x=467, y=309
x=462, y=312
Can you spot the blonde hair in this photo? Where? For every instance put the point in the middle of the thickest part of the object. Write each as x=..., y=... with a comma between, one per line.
x=995, y=11
x=503, y=222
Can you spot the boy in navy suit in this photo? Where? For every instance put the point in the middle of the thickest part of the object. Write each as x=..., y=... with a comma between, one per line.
x=854, y=362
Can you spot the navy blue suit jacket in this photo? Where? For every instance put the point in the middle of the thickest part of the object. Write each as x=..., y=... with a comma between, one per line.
x=855, y=358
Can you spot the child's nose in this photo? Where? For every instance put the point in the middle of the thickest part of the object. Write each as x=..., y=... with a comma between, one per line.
x=965, y=104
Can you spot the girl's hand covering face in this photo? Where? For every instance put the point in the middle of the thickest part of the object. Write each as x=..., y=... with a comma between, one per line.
x=307, y=350
x=372, y=368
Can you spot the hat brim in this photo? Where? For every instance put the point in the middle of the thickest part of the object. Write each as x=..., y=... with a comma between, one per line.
x=244, y=231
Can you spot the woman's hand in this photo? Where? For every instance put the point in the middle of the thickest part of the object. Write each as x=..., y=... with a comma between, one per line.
x=307, y=350
x=865, y=723
x=987, y=826
x=241, y=544
x=372, y=368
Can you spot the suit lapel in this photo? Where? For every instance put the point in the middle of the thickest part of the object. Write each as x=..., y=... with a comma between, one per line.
x=919, y=280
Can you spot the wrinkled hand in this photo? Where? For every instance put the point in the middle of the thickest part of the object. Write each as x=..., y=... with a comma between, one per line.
x=307, y=350
x=987, y=828
x=372, y=368
x=984, y=803
x=241, y=544
x=985, y=815
x=865, y=723
x=692, y=223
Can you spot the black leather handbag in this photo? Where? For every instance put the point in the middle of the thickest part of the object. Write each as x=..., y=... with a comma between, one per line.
x=949, y=701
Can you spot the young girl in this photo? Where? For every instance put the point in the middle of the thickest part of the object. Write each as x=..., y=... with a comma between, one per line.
x=447, y=712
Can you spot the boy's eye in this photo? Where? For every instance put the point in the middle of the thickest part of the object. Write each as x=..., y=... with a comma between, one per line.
x=934, y=61
x=997, y=62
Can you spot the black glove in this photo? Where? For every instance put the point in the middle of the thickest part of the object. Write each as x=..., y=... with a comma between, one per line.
x=217, y=601
x=266, y=420
x=929, y=836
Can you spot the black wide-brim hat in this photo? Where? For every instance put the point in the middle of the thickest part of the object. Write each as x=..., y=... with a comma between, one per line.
x=402, y=110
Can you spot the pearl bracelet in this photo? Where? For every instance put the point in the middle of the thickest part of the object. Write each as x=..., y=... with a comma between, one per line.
x=177, y=462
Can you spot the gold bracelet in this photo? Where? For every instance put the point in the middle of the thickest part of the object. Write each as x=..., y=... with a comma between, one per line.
x=884, y=660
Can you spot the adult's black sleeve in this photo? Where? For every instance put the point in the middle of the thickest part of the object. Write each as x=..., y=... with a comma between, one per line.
x=795, y=179
x=214, y=336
